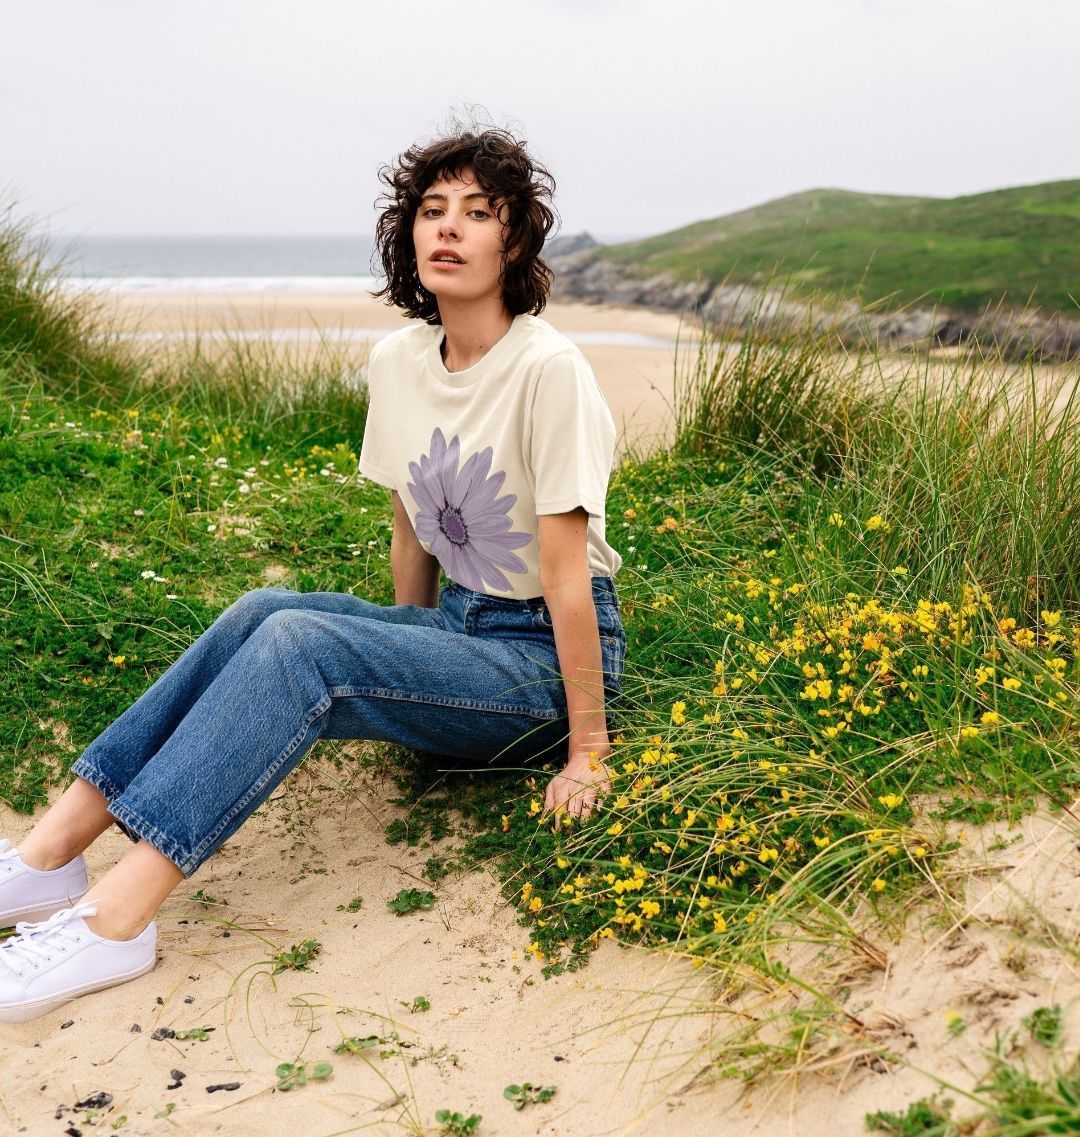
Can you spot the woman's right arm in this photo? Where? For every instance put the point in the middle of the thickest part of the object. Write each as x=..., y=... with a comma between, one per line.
x=416, y=571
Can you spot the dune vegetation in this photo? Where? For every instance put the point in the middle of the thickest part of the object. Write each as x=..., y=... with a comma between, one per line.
x=852, y=607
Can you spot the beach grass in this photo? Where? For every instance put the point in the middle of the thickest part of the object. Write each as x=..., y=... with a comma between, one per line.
x=852, y=604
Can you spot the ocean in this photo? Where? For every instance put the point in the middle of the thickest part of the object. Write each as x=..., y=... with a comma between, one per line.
x=169, y=263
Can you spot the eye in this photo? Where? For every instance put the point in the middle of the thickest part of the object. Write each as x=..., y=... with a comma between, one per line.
x=482, y=213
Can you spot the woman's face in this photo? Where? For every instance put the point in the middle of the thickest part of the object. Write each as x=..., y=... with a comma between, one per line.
x=459, y=241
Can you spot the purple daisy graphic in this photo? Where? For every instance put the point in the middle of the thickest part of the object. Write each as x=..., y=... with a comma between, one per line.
x=462, y=519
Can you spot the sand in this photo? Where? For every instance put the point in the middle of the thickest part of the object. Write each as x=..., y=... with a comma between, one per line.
x=608, y=1037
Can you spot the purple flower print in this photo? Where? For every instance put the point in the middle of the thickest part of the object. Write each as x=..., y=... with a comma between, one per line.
x=460, y=518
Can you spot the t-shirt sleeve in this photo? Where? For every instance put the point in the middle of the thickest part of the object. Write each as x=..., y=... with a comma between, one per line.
x=374, y=462
x=571, y=437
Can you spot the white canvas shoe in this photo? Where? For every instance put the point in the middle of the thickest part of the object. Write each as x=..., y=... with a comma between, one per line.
x=46, y=965
x=31, y=894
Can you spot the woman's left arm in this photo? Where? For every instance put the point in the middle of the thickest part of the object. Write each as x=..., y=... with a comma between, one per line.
x=567, y=588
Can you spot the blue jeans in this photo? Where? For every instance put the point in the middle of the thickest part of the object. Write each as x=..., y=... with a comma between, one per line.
x=476, y=678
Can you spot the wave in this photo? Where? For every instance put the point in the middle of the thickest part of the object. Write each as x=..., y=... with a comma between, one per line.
x=238, y=284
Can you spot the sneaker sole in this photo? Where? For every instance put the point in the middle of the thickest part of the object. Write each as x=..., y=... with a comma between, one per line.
x=36, y=914
x=36, y=1008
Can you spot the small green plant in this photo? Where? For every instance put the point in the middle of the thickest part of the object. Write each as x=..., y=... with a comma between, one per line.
x=198, y=1033
x=419, y=1003
x=391, y=1044
x=1045, y=1025
x=119, y=1123
x=354, y=905
x=411, y=900
x=297, y=957
x=204, y=898
x=291, y=1074
x=437, y=867
x=457, y=1123
x=523, y=1095
x=955, y=1025
x=166, y=1109
x=357, y=1045
x=924, y=1117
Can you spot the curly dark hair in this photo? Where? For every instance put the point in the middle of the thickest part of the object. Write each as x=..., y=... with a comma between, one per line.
x=520, y=189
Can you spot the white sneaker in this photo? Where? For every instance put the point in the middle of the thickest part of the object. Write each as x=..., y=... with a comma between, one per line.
x=46, y=965
x=32, y=894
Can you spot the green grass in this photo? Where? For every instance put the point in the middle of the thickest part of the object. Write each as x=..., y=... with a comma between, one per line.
x=1017, y=245
x=853, y=611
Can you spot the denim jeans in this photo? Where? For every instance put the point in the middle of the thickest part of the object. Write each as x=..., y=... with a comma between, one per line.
x=475, y=678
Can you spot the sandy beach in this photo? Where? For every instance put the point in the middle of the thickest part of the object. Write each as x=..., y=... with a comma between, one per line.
x=628, y=1041
x=632, y=351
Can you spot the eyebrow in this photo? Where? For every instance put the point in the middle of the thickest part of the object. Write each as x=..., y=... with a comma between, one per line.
x=443, y=197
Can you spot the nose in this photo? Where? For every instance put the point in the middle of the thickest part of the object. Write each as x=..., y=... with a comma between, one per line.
x=448, y=227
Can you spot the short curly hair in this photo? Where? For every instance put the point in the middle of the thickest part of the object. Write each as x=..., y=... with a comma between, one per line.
x=519, y=187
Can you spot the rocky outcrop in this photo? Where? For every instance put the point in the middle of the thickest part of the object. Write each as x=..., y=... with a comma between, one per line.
x=569, y=243
x=581, y=275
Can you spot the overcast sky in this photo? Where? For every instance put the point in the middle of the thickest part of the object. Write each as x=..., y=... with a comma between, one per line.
x=272, y=116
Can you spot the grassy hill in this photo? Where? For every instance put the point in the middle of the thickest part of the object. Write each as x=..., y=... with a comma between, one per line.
x=1019, y=244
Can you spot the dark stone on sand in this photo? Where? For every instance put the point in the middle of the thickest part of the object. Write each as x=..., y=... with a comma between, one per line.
x=222, y=1086
x=135, y=1029
x=95, y=1101
x=65, y=1025
x=162, y=1033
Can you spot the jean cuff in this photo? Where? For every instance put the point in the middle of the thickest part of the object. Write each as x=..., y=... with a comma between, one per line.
x=131, y=824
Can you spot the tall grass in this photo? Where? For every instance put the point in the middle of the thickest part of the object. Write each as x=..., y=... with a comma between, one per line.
x=973, y=465
x=47, y=335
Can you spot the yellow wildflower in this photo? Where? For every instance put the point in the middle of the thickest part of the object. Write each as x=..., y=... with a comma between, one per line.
x=877, y=884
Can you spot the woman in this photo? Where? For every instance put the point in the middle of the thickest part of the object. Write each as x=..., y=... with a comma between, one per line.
x=490, y=431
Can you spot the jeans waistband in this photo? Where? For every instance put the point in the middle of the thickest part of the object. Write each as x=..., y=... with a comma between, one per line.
x=602, y=587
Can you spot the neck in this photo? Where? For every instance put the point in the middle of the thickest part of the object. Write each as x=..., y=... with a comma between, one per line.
x=472, y=330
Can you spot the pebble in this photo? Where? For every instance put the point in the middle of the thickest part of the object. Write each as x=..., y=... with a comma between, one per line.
x=222, y=1086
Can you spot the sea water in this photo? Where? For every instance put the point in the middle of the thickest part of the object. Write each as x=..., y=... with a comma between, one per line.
x=170, y=263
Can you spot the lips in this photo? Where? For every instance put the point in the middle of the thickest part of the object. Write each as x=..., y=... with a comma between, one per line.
x=445, y=256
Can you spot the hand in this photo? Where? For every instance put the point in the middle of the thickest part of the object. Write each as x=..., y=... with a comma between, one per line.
x=578, y=789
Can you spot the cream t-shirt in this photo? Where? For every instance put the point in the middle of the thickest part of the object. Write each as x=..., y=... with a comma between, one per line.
x=477, y=455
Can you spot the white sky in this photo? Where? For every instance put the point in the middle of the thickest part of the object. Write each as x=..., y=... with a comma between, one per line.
x=272, y=116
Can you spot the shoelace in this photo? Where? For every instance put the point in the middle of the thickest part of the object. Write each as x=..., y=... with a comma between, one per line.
x=34, y=944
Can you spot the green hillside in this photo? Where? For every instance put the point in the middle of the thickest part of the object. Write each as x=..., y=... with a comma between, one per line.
x=964, y=252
